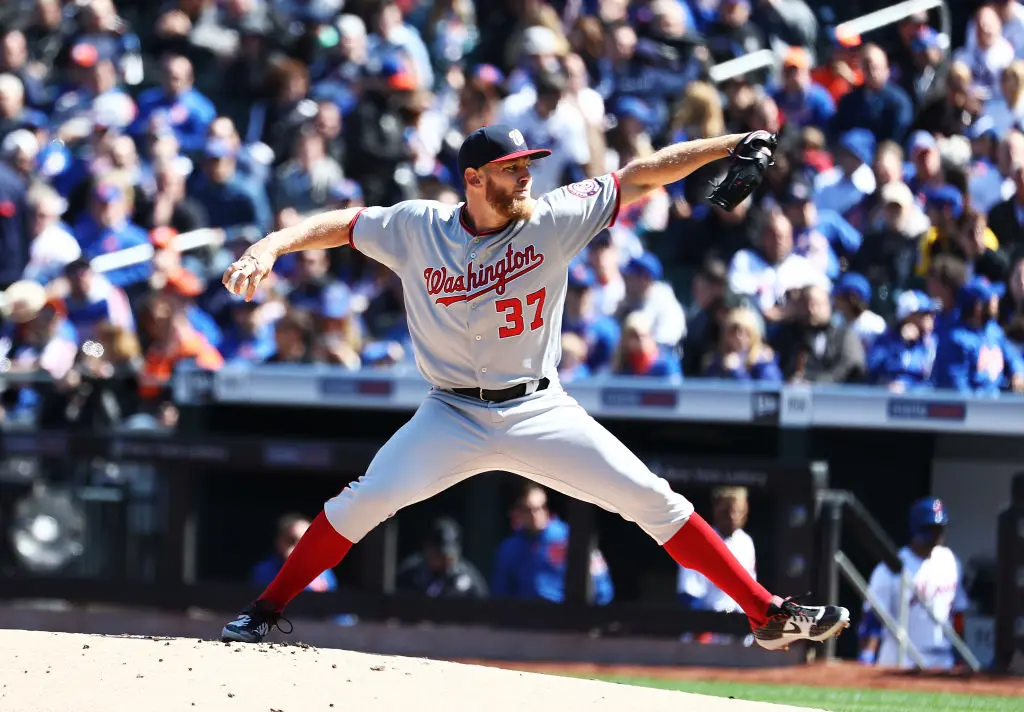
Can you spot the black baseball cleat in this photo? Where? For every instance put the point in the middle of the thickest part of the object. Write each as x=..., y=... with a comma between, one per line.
x=253, y=624
x=789, y=622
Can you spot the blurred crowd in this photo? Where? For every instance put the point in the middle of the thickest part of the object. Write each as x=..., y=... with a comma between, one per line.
x=145, y=145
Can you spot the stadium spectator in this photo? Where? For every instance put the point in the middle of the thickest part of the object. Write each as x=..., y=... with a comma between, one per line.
x=293, y=339
x=639, y=353
x=990, y=54
x=13, y=237
x=742, y=354
x=946, y=276
x=439, y=570
x=90, y=300
x=249, y=337
x=1011, y=16
x=171, y=339
x=1006, y=219
x=954, y=112
x=852, y=306
x=233, y=203
x=548, y=119
x=15, y=113
x=177, y=105
x=889, y=253
x=812, y=348
x=974, y=356
x=984, y=181
x=1011, y=306
x=822, y=236
x=841, y=71
x=648, y=294
x=730, y=508
x=15, y=60
x=598, y=332
x=972, y=244
x=923, y=150
x=303, y=182
x=531, y=562
x=107, y=229
x=603, y=259
x=290, y=528
x=768, y=274
x=843, y=186
x=338, y=333
x=169, y=204
x=879, y=105
x=1006, y=109
x=732, y=34
x=804, y=101
x=902, y=358
x=707, y=299
x=922, y=75
x=945, y=208
x=575, y=355
x=51, y=244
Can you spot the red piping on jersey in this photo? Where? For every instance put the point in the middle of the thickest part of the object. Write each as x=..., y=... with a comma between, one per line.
x=618, y=199
x=352, y=229
x=473, y=231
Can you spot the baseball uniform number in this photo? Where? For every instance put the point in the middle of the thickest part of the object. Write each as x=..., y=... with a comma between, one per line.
x=513, y=309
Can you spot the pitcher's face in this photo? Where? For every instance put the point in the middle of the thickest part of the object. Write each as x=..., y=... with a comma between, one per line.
x=507, y=188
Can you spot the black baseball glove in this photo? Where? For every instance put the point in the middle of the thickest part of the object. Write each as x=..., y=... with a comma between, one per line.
x=750, y=160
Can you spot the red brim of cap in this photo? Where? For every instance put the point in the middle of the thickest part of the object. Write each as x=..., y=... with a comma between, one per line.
x=530, y=153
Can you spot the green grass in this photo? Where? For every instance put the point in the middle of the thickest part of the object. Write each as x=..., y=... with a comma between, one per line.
x=837, y=699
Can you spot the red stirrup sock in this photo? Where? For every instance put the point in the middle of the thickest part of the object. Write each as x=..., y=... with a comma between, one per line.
x=319, y=549
x=696, y=546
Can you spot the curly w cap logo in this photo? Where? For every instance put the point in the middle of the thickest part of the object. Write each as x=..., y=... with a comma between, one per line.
x=517, y=137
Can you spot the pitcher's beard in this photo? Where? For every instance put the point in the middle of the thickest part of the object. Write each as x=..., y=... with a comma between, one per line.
x=508, y=204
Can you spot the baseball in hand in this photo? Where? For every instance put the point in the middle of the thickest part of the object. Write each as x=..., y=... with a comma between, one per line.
x=239, y=283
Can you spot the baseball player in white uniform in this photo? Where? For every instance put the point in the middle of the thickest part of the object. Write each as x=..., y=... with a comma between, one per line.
x=484, y=285
x=935, y=576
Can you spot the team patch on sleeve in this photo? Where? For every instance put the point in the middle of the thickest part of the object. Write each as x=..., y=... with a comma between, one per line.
x=585, y=188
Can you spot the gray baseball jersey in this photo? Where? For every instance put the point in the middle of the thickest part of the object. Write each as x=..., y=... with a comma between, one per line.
x=485, y=309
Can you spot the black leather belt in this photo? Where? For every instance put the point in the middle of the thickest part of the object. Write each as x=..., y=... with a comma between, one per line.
x=503, y=394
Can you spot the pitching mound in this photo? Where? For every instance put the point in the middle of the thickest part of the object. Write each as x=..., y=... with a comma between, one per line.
x=47, y=672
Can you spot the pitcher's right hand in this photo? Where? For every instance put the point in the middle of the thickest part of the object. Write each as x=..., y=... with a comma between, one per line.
x=244, y=275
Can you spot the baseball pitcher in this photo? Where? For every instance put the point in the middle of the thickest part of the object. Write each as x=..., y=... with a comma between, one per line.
x=484, y=285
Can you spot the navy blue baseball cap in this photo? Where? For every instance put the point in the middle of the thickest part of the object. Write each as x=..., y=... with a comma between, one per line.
x=927, y=512
x=491, y=144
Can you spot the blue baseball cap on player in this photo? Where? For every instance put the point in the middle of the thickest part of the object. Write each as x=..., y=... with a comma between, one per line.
x=490, y=144
x=927, y=512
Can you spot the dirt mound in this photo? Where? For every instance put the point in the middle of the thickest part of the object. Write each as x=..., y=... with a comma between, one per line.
x=47, y=672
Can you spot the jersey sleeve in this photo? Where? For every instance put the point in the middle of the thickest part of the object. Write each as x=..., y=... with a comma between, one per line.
x=384, y=234
x=583, y=209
